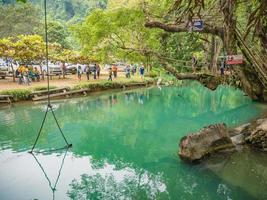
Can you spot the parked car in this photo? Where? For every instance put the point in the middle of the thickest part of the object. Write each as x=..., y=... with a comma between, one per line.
x=54, y=69
x=107, y=67
x=121, y=66
x=3, y=70
x=71, y=69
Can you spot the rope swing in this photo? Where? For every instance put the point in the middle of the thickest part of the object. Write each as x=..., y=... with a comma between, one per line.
x=49, y=106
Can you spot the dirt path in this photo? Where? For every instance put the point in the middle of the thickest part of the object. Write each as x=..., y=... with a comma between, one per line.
x=70, y=81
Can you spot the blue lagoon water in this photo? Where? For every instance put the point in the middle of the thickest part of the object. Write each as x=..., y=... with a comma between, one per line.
x=125, y=146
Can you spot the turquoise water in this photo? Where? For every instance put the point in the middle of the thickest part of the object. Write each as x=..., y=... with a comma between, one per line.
x=125, y=147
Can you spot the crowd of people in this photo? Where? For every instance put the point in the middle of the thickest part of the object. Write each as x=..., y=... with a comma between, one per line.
x=130, y=70
x=88, y=70
x=27, y=74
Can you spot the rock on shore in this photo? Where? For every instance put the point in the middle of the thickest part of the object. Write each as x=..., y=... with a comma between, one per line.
x=213, y=138
x=207, y=141
x=258, y=136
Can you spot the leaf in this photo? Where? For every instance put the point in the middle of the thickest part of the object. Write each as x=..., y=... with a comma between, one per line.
x=23, y=1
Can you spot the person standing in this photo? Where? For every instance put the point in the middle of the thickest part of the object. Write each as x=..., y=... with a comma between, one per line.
x=133, y=69
x=19, y=75
x=26, y=76
x=79, y=71
x=110, y=74
x=114, y=70
x=98, y=70
x=87, y=72
x=142, y=71
x=36, y=74
x=94, y=71
x=63, y=69
x=128, y=71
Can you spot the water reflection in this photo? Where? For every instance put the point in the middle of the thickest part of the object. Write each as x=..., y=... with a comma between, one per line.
x=132, y=133
x=53, y=187
x=107, y=181
x=246, y=169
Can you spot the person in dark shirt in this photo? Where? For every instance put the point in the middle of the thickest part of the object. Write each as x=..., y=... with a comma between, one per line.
x=142, y=71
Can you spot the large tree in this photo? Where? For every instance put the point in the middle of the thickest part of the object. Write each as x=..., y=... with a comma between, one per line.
x=178, y=16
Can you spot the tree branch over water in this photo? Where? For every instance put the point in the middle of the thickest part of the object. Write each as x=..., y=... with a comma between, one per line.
x=174, y=28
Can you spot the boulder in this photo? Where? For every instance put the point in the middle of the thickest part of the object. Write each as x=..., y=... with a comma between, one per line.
x=258, y=137
x=210, y=139
x=238, y=139
x=244, y=129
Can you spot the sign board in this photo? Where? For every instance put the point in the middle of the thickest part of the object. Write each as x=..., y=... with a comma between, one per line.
x=234, y=59
x=196, y=25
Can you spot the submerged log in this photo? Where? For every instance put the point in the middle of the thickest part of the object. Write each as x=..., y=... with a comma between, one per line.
x=213, y=138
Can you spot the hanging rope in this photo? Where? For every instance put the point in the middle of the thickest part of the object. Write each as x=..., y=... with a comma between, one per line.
x=49, y=106
x=52, y=187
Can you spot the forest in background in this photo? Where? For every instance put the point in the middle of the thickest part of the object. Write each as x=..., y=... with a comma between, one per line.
x=27, y=18
x=154, y=32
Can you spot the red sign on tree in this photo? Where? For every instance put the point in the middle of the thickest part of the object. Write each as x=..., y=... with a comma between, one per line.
x=234, y=59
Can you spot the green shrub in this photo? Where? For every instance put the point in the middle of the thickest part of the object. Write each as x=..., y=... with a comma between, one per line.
x=106, y=85
x=18, y=94
x=98, y=86
x=151, y=74
x=41, y=88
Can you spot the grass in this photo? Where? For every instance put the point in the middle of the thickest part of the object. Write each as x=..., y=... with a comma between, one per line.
x=42, y=88
x=25, y=94
x=18, y=94
x=105, y=85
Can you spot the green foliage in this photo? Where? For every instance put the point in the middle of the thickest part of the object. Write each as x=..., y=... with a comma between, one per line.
x=108, y=85
x=151, y=74
x=29, y=48
x=43, y=88
x=69, y=10
x=116, y=34
x=19, y=19
x=26, y=17
x=57, y=34
x=18, y=94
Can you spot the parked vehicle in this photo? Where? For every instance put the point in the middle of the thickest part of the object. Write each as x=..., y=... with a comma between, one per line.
x=54, y=69
x=3, y=70
x=71, y=69
x=121, y=66
x=107, y=67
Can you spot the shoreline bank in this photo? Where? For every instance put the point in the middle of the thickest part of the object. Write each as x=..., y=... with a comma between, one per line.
x=26, y=95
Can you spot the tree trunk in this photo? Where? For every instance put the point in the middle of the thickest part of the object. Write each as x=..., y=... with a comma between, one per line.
x=13, y=72
x=41, y=70
x=216, y=52
x=228, y=8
